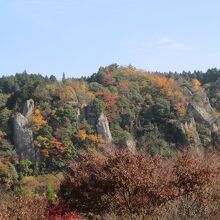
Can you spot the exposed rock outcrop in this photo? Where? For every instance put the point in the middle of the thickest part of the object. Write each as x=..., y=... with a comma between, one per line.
x=201, y=114
x=23, y=137
x=130, y=145
x=73, y=103
x=28, y=108
x=98, y=122
x=102, y=127
x=23, y=134
x=190, y=132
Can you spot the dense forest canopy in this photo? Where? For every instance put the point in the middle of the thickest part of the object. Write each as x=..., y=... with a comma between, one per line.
x=45, y=122
x=139, y=105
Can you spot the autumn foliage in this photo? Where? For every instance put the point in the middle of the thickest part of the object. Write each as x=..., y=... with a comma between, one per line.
x=26, y=208
x=196, y=84
x=128, y=186
x=23, y=207
x=37, y=119
x=59, y=212
x=91, y=140
x=135, y=184
x=57, y=144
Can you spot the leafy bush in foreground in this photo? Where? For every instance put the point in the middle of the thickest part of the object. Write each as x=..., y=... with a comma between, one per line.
x=123, y=183
x=25, y=208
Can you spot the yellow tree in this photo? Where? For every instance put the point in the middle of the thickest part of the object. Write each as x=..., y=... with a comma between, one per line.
x=37, y=119
x=196, y=84
x=81, y=134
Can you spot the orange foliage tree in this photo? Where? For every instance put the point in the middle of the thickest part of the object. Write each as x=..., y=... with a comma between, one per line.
x=57, y=145
x=110, y=100
x=124, y=84
x=164, y=83
x=196, y=84
x=37, y=119
x=49, y=146
x=173, y=93
x=89, y=140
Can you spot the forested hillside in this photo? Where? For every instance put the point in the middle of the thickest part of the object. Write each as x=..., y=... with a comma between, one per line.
x=45, y=123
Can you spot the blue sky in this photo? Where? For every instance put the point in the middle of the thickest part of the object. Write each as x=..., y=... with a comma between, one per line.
x=79, y=36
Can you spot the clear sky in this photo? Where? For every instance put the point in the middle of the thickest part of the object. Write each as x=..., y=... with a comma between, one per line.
x=79, y=36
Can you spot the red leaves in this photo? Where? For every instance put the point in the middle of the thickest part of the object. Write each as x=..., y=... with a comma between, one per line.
x=124, y=182
x=22, y=207
x=57, y=144
x=195, y=171
x=58, y=212
x=109, y=99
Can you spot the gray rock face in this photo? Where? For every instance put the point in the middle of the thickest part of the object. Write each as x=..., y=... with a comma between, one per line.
x=73, y=103
x=78, y=113
x=201, y=114
x=102, y=127
x=98, y=122
x=130, y=145
x=23, y=137
x=190, y=126
x=28, y=108
x=199, y=107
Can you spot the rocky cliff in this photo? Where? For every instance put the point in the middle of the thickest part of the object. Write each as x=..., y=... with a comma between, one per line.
x=102, y=126
x=195, y=129
x=23, y=134
x=28, y=108
x=99, y=122
x=199, y=114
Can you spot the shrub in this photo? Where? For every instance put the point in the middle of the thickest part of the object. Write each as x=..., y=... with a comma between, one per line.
x=123, y=183
x=25, y=208
x=59, y=212
x=51, y=194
